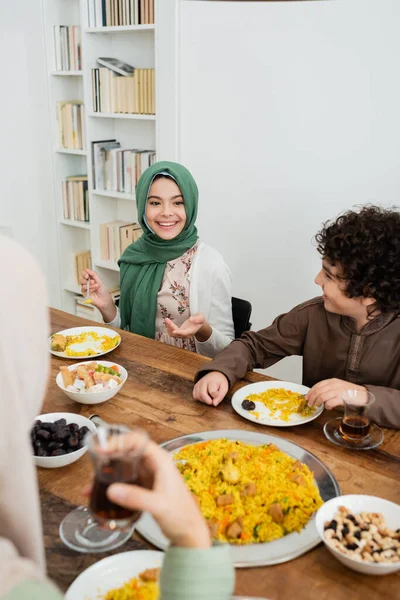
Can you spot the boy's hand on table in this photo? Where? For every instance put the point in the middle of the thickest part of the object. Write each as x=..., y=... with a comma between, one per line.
x=212, y=388
x=329, y=392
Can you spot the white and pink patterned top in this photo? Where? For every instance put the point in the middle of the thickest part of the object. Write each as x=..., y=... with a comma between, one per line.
x=173, y=299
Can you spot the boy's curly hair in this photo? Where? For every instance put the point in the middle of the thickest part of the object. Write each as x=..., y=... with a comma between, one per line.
x=366, y=245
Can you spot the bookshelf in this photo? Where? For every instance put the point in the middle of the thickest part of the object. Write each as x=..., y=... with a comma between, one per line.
x=136, y=45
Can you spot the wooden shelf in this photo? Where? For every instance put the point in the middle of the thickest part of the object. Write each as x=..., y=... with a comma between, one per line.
x=107, y=264
x=119, y=29
x=71, y=151
x=111, y=194
x=135, y=116
x=71, y=223
x=67, y=73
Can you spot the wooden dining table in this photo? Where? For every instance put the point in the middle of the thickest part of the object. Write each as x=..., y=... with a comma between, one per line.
x=157, y=397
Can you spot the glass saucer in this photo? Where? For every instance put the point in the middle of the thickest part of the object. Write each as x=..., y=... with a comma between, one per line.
x=80, y=532
x=334, y=435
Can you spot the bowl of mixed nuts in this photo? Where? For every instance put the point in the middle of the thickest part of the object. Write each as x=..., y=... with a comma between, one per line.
x=362, y=532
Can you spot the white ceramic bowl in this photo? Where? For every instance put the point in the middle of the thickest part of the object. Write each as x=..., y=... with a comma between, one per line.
x=357, y=503
x=94, y=397
x=54, y=462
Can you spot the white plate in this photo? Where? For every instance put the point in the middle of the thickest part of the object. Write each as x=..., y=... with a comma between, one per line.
x=265, y=417
x=112, y=572
x=85, y=345
x=256, y=555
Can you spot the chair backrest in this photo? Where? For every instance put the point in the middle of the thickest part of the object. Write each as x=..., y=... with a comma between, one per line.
x=241, y=313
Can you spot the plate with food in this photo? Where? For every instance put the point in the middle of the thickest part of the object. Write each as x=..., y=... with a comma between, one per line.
x=133, y=575
x=259, y=493
x=83, y=342
x=275, y=403
x=91, y=382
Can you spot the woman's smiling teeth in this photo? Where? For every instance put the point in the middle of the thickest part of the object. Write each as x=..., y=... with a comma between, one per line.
x=167, y=225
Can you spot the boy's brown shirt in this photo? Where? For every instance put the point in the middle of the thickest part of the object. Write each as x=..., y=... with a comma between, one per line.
x=330, y=347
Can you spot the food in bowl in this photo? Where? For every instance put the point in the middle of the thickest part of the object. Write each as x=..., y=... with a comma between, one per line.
x=281, y=403
x=248, y=494
x=91, y=377
x=56, y=438
x=364, y=537
x=93, y=343
x=143, y=587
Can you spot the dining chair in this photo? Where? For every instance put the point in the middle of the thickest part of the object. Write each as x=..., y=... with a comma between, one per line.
x=241, y=313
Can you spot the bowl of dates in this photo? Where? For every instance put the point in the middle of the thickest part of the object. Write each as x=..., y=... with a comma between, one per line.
x=58, y=439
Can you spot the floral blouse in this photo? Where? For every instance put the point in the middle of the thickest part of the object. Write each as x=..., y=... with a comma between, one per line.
x=173, y=299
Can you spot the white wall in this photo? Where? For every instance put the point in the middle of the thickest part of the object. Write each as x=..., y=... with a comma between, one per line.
x=289, y=113
x=26, y=197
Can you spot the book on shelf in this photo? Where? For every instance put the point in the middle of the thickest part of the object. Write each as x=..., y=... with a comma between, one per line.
x=117, y=13
x=71, y=124
x=115, y=237
x=83, y=260
x=118, y=169
x=129, y=94
x=76, y=198
x=67, y=47
x=118, y=66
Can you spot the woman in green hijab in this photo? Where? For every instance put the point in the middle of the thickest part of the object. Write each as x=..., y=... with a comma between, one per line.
x=174, y=288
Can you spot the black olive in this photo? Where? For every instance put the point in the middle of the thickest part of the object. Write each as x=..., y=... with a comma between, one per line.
x=61, y=434
x=43, y=434
x=49, y=427
x=55, y=445
x=41, y=452
x=58, y=452
x=73, y=427
x=73, y=442
x=248, y=405
x=61, y=422
x=83, y=431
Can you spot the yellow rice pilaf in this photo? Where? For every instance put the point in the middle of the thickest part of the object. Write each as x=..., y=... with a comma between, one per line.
x=106, y=343
x=135, y=589
x=259, y=490
x=282, y=403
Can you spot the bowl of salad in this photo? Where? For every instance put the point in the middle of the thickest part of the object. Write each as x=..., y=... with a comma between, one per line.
x=91, y=382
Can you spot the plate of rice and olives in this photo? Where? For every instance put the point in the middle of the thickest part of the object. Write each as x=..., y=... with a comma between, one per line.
x=275, y=403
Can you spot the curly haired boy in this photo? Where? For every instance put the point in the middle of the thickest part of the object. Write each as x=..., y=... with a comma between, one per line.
x=350, y=337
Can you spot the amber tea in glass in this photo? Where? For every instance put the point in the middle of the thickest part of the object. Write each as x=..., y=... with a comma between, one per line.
x=117, y=454
x=355, y=424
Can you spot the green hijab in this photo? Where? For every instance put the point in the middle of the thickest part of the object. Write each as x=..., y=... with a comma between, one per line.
x=143, y=263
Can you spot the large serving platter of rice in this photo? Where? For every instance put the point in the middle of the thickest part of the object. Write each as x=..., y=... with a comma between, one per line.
x=259, y=493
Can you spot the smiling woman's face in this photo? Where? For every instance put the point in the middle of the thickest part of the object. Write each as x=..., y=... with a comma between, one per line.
x=165, y=209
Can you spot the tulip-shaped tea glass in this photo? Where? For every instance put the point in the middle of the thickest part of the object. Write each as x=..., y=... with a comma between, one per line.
x=355, y=424
x=116, y=452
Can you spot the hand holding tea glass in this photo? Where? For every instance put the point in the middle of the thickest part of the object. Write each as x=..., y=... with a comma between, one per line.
x=117, y=454
x=354, y=429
